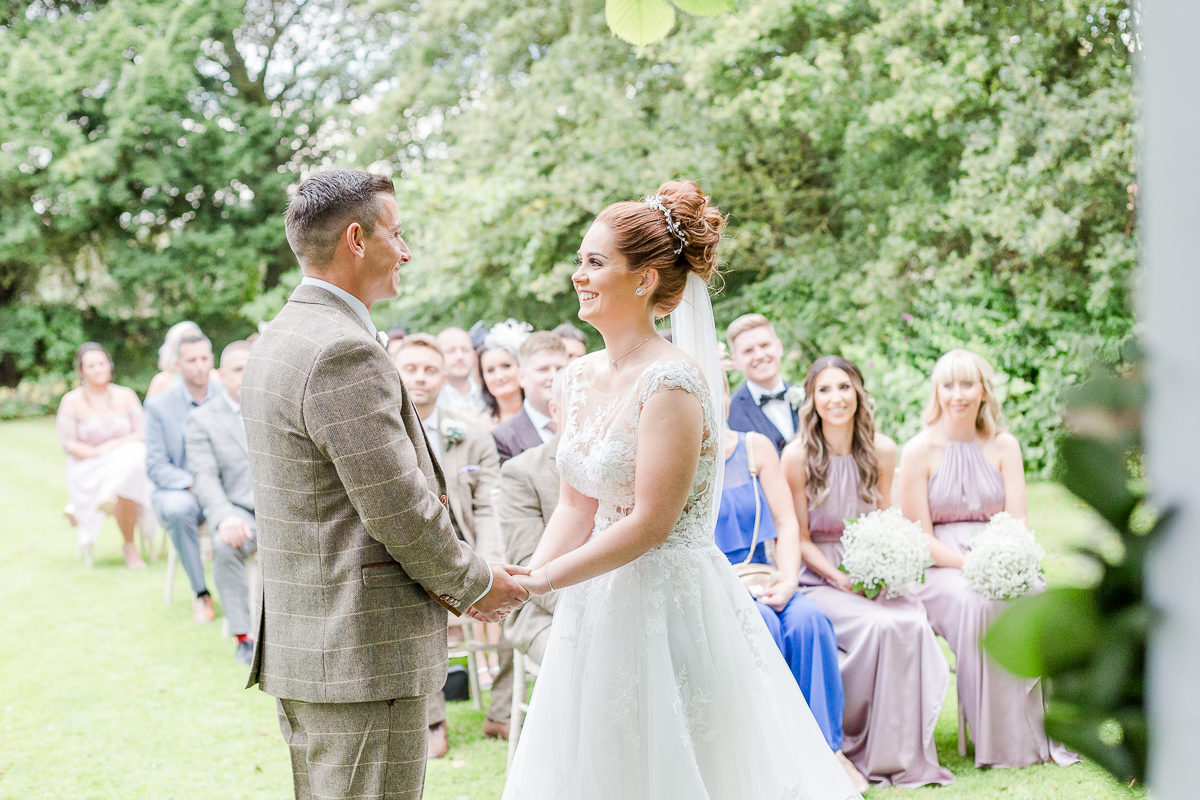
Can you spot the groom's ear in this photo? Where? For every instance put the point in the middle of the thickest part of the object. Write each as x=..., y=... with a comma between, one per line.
x=354, y=239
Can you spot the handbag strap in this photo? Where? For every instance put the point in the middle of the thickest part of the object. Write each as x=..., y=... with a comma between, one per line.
x=752, y=465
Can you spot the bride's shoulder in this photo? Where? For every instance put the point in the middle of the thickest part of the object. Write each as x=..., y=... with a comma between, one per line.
x=672, y=370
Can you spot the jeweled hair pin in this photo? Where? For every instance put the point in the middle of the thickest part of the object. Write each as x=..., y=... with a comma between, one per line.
x=656, y=201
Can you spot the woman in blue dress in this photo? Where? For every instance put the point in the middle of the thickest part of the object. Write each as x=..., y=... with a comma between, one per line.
x=800, y=628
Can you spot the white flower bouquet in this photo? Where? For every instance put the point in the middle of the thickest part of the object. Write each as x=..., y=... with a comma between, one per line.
x=1005, y=558
x=885, y=551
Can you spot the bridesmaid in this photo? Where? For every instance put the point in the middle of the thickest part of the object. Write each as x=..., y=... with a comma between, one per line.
x=895, y=675
x=797, y=625
x=954, y=475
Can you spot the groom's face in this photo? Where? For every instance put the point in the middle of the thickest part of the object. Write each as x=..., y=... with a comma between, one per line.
x=384, y=253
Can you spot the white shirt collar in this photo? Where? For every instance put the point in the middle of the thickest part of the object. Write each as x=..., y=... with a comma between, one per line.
x=233, y=404
x=355, y=304
x=431, y=422
x=540, y=421
x=759, y=391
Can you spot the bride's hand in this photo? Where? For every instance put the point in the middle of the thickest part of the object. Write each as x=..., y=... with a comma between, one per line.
x=535, y=582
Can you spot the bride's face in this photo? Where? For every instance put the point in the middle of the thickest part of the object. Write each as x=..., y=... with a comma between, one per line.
x=606, y=287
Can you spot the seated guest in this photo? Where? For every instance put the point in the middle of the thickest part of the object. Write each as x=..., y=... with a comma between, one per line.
x=573, y=340
x=219, y=460
x=498, y=368
x=955, y=474
x=540, y=358
x=100, y=426
x=467, y=456
x=763, y=403
x=756, y=508
x=168, y=354
x=529, y=484
x=462, y=389
x=895, y=675
x=166, y=461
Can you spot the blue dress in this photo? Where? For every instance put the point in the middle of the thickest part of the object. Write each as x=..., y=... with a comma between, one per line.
x=804, y=634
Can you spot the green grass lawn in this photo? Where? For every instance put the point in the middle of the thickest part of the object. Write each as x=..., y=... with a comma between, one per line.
x=107, y=693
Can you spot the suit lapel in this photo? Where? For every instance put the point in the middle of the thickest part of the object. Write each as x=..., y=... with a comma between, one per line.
x=527, y=434
x=232, y=426
x=758, y=421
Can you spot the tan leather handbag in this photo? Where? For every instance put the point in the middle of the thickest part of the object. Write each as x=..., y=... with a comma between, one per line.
x=756, y=577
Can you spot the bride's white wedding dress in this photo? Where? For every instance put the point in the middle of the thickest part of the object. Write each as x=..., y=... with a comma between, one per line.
x=660, y=680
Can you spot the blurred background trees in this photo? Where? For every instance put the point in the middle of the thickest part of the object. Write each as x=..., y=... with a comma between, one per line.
x=903, y=177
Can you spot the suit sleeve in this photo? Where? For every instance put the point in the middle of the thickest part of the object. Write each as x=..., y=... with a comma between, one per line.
x=519, y=511
x=357, y=424
x=159, y=468
x=206, y=472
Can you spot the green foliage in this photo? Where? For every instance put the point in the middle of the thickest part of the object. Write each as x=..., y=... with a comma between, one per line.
x=903, y=178
x=1090, y=643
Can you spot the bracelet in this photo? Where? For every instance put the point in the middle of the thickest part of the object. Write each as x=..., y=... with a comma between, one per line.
x=546, y=570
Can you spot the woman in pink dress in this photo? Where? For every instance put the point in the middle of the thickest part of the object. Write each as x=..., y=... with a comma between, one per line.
x=100, y=428
x=960, y=470
x=894, y=673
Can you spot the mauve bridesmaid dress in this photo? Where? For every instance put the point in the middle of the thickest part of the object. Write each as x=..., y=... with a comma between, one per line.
x=1004, y=713
x=894, y=673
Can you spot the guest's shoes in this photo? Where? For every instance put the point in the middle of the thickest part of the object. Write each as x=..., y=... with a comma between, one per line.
x=439, y=740
x=133, y=559
x=202, y=609
x=495, y=730
x=856, y=777
x=245, y=653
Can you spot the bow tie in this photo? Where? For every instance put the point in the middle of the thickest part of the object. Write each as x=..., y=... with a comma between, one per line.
x=766, y=398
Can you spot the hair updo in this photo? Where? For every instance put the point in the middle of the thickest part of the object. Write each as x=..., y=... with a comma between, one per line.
x=643, y=237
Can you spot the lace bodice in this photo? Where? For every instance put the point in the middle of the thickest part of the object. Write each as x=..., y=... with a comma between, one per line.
x=598, y=447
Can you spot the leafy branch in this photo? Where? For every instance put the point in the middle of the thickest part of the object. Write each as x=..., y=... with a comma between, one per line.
x=643, y=22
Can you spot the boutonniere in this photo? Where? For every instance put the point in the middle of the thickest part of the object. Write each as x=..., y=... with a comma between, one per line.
x=452, y=432
x=795, y=396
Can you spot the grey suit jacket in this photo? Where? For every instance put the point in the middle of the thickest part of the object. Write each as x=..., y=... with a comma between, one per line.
x=354, y=539
x=515, y=435
x=166, y=416
x=219, y=460
x=529, y=485
x=472, y=469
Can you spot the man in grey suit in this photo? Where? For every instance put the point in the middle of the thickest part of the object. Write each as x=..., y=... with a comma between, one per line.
x=464, y=448
x=219, y=460
x=528, y=495
x=358, y=552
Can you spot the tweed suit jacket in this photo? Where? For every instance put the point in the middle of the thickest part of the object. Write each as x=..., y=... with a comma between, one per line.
x=472, y=470
x=515, y=435
x=353, y=533
x=219, y=460
x=529, y=486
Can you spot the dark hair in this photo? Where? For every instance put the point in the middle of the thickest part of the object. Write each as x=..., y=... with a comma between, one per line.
x=489, y=399
x=643, y=237
x=569, y=331
x=325, y=204
x=816, y=449
x=90, y=347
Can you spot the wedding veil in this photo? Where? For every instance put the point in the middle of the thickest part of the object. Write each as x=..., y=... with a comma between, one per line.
x=694, y=331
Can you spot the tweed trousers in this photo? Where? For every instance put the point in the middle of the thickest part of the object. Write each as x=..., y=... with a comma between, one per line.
x=372, y=750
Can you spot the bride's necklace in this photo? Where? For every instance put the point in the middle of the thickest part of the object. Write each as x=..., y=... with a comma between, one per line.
x=613, y=361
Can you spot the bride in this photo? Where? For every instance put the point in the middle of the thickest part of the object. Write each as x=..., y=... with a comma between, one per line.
x=660, y=680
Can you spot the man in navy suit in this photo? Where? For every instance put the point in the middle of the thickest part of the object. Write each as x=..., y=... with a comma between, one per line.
x=765, y=403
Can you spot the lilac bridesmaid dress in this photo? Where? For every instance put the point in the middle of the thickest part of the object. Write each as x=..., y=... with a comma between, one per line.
x=894, y=673
x=1004, y=713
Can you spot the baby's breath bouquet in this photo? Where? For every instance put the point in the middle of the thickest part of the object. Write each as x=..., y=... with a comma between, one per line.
x=1005, y=558
x=885, y=551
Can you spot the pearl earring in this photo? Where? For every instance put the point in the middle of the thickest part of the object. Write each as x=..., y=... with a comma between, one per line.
x=640, y=292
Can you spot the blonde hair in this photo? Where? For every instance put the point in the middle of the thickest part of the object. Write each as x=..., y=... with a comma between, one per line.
x=746, y=322
x=963, y=365
x=168, y=353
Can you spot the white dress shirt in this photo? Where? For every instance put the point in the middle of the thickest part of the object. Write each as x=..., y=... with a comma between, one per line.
x=355, y=304
x=778, y=411
x=540, y=421
x=432, y=430
x=449, y=397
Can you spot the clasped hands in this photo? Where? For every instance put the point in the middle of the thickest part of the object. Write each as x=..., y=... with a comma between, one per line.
x=506, y=595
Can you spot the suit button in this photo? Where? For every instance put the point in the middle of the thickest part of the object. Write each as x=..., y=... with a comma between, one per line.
x=445, y=500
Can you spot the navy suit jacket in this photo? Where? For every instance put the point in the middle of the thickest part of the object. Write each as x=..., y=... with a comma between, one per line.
x=746, y=415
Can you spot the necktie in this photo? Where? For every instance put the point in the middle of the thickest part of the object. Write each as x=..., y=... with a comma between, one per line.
x=766, y=398
x=552, y=426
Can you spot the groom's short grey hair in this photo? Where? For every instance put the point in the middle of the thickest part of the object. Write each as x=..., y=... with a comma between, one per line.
x=325, y=204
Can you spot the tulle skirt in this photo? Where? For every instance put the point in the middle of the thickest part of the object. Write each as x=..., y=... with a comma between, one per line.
x=95, y=484
x=661, y=682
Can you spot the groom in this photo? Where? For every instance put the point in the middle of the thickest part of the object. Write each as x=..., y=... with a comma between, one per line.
x=358, y=554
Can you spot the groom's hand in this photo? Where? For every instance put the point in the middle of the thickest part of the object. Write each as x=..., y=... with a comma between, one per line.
x=506, y=595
